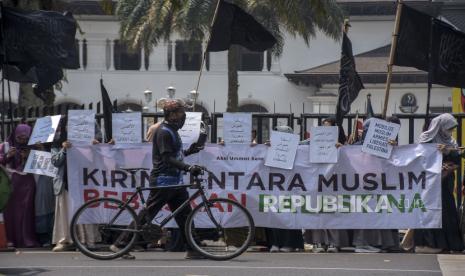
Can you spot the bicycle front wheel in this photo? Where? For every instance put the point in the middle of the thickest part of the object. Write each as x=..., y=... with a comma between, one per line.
x=103, y=229
x=220, y=229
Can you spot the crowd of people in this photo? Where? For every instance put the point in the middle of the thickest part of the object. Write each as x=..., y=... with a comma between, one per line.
x=36, y=214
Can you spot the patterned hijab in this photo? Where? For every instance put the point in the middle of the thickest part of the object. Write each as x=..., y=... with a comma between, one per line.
x=437, y=131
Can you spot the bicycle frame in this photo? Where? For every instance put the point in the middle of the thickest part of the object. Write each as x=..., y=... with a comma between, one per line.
x=196, y=185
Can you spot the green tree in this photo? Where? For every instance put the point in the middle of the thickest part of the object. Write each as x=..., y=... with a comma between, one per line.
x=147, y=22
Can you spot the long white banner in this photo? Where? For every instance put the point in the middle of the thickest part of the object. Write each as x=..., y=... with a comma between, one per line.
x=361, y=191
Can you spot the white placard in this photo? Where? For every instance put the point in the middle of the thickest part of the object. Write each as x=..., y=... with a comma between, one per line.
x=377, y=137
x=191, y=130
x=237, y=128
x=39, y=162
x=44, y=129
x=323, y=141
x=282, y=151
x=127, y=128
x=81, y=126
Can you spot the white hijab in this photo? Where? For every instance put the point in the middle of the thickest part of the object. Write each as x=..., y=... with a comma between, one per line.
x=437, y=131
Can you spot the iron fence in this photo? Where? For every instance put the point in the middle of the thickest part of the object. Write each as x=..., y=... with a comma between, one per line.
x=411, y=124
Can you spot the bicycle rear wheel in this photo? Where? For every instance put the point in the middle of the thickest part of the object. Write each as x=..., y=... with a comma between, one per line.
x=220, y=229
x=104, y=220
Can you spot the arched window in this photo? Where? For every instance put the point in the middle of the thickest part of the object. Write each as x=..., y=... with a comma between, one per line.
x=264, y=122
x=205, y=114
x=129, y=107
x=63, y=107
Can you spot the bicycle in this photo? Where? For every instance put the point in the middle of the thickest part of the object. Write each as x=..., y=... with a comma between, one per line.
x=223, y=228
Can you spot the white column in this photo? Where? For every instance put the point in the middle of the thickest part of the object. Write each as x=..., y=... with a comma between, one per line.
x=173, y=55
x=142, y=59
x=265, y=62
x=112, y=55
x=158, y=58
x=274, y=64
x=81, y=58
x=96, y=57
x=219, y=61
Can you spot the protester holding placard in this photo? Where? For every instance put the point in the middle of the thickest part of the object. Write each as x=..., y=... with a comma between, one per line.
x=329, y=240
x=61, y=232
x=44, y=203
x=375, y=240
x=19, y=212
x=284, y=240
x=447, y=238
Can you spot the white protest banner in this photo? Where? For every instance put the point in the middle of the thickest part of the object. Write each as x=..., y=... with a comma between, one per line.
x=39, y=162
x=191, y=130
x=81, y=126
x=282, y=151
x=361, y=191
x=44, y=129
x=377, y=137
x=127, y=127
x=323, y=141
x=237, y=128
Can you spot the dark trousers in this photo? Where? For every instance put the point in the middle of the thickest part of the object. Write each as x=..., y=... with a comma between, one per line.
x=156, y=200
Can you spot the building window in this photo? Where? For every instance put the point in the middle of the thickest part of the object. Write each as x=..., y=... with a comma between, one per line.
x=249, y=60
x=76, y=57
x=125, y=58
x=188, y=55
x=84, y=54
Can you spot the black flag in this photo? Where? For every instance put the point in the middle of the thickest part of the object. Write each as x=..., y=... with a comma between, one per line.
x=38, y=44
x=107, y=108
x=349, y=81
x=413, y=39
x=448, y=54
x=419, y=35
x=234, y=26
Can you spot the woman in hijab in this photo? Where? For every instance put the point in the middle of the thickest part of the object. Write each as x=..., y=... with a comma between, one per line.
x=323, y=239
x=284, y=240
x=19, y=212
x=375, y=240
x=448, y=237
x=87, y=233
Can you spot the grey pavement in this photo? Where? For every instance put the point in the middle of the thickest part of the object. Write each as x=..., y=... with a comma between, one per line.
x=257, y=264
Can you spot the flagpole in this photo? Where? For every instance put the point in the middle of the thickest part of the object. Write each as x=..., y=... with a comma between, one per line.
x=205, y=54
x=430, y=74
x=391, y=56
x=354, y=129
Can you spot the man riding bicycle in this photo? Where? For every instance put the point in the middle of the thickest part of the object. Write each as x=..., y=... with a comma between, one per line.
x=168, y=170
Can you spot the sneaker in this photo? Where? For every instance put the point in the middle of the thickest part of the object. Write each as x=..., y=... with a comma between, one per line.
x=286, y=249
x=231, y=248
x=193, y=255
x=318, y=248
x=427, y=250
x=367, y=249
x=126, y=256
x=332, y=249
x=63, y=247
x=274, y=249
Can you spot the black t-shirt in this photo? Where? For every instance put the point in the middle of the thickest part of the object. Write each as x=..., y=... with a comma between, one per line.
x=166, y=140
